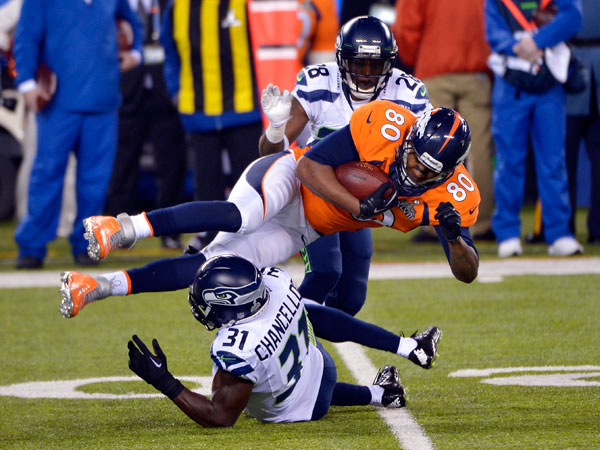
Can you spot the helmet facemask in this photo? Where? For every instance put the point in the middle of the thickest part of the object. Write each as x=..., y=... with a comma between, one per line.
x=365, y=51
x=365, y=76
x=407, y=186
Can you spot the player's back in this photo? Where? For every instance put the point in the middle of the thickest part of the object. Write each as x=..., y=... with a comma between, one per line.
x=276, y=350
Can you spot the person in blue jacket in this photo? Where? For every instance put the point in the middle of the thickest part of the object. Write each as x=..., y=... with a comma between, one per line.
x=529, y=102
x=77, y=41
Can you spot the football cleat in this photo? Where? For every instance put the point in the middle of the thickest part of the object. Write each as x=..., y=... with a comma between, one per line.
x=393, y=392
x=426, y=351
x=105, y=233
x=78, y=289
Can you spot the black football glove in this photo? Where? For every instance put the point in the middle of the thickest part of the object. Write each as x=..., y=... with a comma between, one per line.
x=153, y=368
x=376, y=203
x=449, y=219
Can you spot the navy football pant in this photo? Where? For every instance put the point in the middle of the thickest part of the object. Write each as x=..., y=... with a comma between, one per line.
x=337, y=270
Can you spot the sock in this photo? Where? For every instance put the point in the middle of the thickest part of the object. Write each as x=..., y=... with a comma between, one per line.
x=141, y=226
x=167, y=274
x=337, y=326
x=193, y=217
x=345, y=394
x=376, y=394
x=119, y=282
x=406, y=346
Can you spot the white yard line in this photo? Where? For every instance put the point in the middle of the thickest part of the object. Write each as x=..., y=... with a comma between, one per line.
x=401, y=422
x=489, y=271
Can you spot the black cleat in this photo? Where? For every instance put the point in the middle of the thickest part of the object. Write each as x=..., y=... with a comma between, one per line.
x=426, y=351
x=393, y=392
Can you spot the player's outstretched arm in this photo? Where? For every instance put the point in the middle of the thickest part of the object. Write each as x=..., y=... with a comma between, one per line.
x=230, y=393
x=230, y=396
x=296, y=122
x=464, y=261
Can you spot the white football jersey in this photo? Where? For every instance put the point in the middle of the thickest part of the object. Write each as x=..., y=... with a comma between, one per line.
x=319, y=91
x=276, y=350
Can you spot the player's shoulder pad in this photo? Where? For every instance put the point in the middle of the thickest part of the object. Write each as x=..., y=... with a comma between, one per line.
x=317, y=77
x=275, y=275
x=408, y=91
x=460, y=190
x=232, y=350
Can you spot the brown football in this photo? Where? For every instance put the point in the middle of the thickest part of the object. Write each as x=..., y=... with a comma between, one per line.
x=361, y=178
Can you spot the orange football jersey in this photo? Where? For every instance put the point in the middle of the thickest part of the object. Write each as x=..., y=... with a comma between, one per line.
x=377, y=129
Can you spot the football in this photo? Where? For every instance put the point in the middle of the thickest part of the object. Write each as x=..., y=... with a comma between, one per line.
x=361, y=178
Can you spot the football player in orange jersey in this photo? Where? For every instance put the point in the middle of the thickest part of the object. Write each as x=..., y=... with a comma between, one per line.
x=271, y=215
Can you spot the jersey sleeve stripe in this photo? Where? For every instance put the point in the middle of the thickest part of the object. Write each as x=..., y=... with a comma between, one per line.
x=318, y=95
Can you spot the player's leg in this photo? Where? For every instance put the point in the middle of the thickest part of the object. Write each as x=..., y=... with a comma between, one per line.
x=386, y=390
x=264, y=189
x=337, y=326
x=351, y=290
x=270, y=244
x=322, y=267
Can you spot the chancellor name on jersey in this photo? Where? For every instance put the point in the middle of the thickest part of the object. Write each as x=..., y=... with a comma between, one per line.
x=276, y=351
x=319, y=91
x=375, y=130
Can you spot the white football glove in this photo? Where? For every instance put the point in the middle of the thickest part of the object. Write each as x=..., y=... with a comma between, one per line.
x=275, y=105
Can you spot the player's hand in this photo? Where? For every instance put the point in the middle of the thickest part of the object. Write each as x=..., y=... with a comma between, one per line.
x=152, y=368
x=376, y=203
x=275, y=105
x=449, y=219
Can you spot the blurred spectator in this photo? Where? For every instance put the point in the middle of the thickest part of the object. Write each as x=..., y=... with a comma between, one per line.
x=319, y=27
x=210, y=76
x=11, y=110
x=583, y=119
x=528, y=97
x=80, y=117
x=148, y=116
x=444, y=41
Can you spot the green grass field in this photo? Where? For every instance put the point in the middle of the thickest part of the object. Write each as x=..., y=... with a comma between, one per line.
x=522, y=321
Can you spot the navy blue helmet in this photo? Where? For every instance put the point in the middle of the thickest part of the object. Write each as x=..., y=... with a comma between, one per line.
x=441, y=140
x=365, y=50
x=226, y=289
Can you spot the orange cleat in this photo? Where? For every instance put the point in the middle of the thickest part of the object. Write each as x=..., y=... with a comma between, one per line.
x=78, y=289
x=105, y=233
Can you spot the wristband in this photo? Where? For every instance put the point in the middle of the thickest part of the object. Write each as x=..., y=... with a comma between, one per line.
x=169, y=385
x=275, y=134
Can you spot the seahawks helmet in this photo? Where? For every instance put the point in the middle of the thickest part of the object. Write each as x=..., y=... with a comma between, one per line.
x=226, y=289
x=441, y=140
x=365, y=50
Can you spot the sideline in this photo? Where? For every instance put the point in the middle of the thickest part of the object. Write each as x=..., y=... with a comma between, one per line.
x=489, y=271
